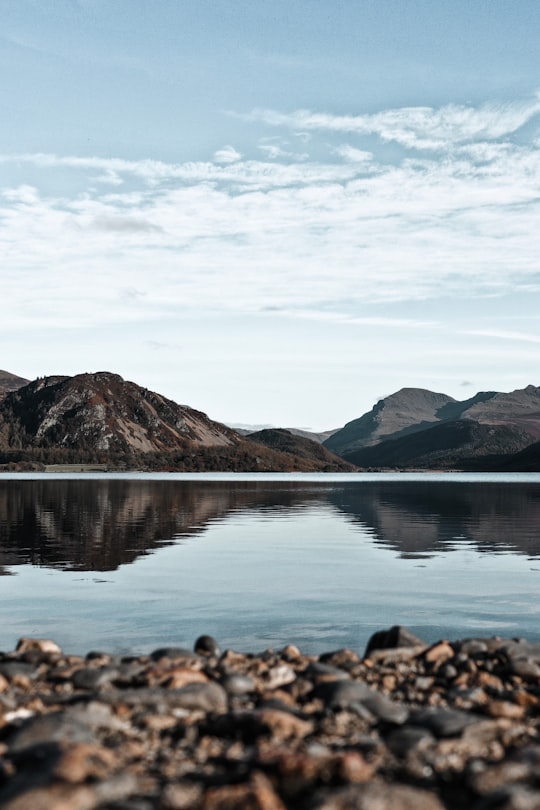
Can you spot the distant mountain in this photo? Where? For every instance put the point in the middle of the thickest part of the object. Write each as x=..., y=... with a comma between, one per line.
x=418, y=428
x=101, y=418
x=249, y=430
x=10, y=382
x=409, y=410
x=285, y=441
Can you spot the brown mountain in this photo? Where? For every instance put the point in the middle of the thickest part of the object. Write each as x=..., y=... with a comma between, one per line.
x=101, y=418
x=10, y=382
x=302, y=448
x=418, y=428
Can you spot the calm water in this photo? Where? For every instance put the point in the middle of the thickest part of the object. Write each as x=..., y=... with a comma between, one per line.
x=133, y=562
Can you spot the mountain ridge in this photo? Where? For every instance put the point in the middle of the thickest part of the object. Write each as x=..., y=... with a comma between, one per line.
x=101, y=418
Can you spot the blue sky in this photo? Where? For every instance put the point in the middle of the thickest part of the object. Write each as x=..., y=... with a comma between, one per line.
x=275, y=212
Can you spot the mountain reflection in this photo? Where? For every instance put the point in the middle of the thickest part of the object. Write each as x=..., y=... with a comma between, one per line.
x=419, y=519
x=98, y=525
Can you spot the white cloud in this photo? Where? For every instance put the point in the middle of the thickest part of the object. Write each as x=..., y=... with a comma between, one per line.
x=348, y=152
x=289, y=236
x=415, y=127
x=227, y=154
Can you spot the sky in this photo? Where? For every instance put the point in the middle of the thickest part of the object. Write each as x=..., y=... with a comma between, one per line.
x=275, y=212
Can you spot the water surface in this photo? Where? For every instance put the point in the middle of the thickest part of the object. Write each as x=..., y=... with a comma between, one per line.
x=133, y=562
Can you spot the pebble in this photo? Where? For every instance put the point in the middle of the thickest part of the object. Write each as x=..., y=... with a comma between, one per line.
x=408, y=726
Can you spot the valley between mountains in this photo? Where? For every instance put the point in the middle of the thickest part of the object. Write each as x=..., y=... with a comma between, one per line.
x=102, y=419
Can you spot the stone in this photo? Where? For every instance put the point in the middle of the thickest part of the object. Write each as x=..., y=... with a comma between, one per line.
x=375, y=796
x=443, y=722
x=94, y=677
x=396, y=636
x=42, y=645
x=257, y=794
x=207, y=645
x=238, y=684
x=348, y=694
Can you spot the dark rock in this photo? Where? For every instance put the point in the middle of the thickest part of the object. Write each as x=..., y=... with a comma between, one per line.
x=12, y=669
x=403, y=740
x=349, y=694
x=94, y=677
x=207, y=645
x=172, y=652
x=443, y=722
x=319, y=672
x=396, y=636
x=238, y=684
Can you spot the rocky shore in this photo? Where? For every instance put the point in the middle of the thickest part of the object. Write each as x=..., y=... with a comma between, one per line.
x=405, y=726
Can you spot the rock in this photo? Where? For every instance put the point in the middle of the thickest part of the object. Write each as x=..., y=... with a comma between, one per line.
x=238, y=684
x=207, y=645
x=319, y=673
x=348, y=694
x=403, y=740
x=94, y=677
x=172, y=652
x=257, y=794
x=438, y=653
x=396, y=636
x=443, y=722
x=375, y=796
x=42, y=645
x=206, y=697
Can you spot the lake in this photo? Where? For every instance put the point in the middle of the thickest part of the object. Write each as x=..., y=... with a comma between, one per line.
x=131, y=562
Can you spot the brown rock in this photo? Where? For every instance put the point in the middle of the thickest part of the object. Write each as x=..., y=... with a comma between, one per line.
x=439, y=653
x=283, y=725
x=81, y=761
x=257, y=794
x=43, y=645
x=376, y=796
x=503, y=708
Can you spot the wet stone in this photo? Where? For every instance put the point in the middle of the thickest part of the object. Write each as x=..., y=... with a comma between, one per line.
x=207, y=645
x=237, y=684
x=396, y=636
x=443, y=722
x=94, y=677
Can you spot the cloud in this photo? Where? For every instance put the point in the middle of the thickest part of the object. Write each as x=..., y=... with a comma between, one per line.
x=500, y=334
x=414, y=127
x=228, y=154
x=348, y=152
x=119, y=224
x=286, y=235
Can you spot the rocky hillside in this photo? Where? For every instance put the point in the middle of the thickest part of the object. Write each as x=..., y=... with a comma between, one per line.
x=418, y=428
x=285, y=441
x=102, y=412
x=101, y=418
x=409, y=410
x=10, y=382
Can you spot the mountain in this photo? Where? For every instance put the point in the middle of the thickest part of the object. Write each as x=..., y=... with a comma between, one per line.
x=10, y=382
x=419, y=428
x=409, y=410
x=249, y=430
x=286, y=441
x=101, y=418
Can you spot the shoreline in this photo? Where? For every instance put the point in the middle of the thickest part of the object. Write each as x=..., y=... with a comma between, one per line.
x=404, y=725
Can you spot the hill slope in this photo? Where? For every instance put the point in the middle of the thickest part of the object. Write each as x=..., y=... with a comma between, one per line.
x=285, y=441
x=10, y=382
x=418, y=428
x=101, y=418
